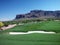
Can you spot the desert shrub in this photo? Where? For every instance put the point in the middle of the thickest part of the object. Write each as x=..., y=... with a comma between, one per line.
x=1, y=24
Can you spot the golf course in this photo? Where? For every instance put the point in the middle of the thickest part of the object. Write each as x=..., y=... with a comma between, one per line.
x=29, y=22
x=34, y=38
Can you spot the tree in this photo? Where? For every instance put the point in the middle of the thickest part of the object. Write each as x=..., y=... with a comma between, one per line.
x=1, y=24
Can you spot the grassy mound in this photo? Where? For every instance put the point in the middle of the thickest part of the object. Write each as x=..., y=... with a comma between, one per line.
x=45, y=26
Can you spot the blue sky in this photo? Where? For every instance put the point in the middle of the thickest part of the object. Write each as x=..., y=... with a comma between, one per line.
x=10, y=8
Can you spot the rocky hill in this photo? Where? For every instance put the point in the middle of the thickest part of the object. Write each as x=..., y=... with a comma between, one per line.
x=40, y=14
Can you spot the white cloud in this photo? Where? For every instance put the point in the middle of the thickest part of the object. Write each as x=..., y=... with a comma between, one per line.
x=5, y=19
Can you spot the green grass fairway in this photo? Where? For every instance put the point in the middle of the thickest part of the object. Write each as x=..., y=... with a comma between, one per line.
x=45, y=25
x=32, y=39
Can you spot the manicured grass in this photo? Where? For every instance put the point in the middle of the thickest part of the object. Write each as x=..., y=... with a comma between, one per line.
x=30, y=39
x=45, y=25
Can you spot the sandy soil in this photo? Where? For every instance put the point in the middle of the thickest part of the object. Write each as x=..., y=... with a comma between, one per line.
x=9, y=26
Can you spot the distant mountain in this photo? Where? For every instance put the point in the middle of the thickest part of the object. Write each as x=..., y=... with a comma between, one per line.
x=40, y=14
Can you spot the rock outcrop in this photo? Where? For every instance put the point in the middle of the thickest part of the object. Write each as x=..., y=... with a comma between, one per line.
x=40, y=14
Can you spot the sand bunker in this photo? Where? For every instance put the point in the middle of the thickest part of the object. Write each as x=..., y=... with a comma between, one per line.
x=30, y=32
x=9, y=26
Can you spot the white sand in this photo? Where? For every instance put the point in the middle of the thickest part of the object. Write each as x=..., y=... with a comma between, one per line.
x=21, y=24
x=56, y=20
x=30, y=32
